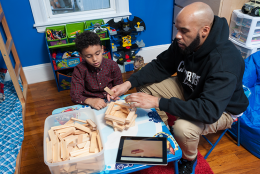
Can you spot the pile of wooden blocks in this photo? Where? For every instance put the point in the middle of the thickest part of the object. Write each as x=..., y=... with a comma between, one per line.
x=73, y=140
x=120, y=116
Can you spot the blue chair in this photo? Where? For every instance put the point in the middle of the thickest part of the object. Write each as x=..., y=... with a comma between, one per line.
x=223, y=133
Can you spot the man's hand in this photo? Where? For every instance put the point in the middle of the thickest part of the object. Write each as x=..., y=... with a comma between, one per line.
x=96, y=103
x=119, y=90
x=143, y=100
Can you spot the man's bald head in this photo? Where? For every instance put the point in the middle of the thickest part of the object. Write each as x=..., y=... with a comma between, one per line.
x=198, y=13
x=193, y=23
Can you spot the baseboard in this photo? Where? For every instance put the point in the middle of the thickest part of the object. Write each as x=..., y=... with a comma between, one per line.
x=43, y=72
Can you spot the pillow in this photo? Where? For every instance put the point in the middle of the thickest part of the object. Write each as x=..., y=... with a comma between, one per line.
x=2, y=78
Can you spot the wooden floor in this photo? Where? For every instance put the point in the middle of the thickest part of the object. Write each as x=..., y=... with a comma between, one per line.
x=43, y=98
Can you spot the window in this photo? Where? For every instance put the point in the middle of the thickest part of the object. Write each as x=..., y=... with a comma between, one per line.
x=55, y=12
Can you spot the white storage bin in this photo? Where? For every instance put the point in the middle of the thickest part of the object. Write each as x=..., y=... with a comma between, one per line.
x=244, y=28
x=244, y=50
x=89, y=164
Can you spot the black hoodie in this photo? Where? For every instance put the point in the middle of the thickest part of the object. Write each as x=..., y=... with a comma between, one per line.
x=211, y=77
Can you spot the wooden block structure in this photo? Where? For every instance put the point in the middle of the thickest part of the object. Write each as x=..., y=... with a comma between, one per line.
x=120, y=116
x=72, y=140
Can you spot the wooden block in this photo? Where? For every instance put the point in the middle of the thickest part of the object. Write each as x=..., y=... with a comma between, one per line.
x=71, y=138
x=71, y=131
x=110, y=123
x=125, y=110
x=49, y=150
x=69, y=150
x=122, y=105
x=131, y=123
x=83, y=128
x=115, y=119
x=59, y=137
x=87, y=145
x=59, y=152
x=81, y=155
x=119, y=127
x=80, y=139
x=65, y=153
x=109, y=91
x=55, y=153
x=115, y=129
x=75, y=119
x=62, y=126
x=85, y=124
x=60, y=131
x=130, y=115
x=110, y=107
x=81, y=145
x=52, y=136
x=89, y=121
x=116, y=108
x=100, y=146
x=78, y=132
x=69, y=122
x=93, y=142
x=86, y=137
x=78, y=152
x=120, y=114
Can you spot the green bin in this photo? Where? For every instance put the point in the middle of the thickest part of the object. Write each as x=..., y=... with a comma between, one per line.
x=56, y=41
x=72, y=28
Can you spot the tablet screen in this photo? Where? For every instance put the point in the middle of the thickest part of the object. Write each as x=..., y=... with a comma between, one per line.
x=144, y=150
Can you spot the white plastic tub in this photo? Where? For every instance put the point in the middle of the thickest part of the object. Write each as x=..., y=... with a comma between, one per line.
x=88, y=164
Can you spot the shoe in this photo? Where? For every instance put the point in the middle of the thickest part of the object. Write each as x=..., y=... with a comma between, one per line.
x=187, y=167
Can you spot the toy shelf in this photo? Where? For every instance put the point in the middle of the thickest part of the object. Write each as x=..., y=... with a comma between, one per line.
x=63, y=68
x=70, y=44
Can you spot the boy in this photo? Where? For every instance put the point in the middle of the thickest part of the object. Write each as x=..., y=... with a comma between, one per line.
x=94, y=73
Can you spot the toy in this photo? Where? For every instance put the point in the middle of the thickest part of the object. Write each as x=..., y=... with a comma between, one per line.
x=75, y=54
x=120, y=117
x=75, y=32
x=137, y=151
x=123, y=36
x=109, y=91
x=97, y=28
x=55, y=35
x=62, y=64
x=73, y=140
x=252, y=8
x=138, y=63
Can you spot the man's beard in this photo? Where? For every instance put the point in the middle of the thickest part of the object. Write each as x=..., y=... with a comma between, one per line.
x=194, y=44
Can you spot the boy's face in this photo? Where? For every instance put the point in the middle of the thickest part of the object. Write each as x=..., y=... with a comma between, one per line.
x=93, y=55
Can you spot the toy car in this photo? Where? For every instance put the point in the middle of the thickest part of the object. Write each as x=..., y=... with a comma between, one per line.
x=137, y=151
x=252, y=8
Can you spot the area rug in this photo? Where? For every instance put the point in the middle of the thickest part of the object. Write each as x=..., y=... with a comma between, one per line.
x=201, y=168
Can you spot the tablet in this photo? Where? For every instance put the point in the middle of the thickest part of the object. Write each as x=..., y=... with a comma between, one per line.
x=142, y=150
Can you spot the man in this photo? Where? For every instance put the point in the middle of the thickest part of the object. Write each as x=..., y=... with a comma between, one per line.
x=208, y=90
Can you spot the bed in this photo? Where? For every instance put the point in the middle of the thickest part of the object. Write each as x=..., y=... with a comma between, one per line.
x=250, y=121
x=11, y=129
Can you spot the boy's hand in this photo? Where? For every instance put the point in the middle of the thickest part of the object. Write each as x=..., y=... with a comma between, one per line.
x=119, y=90
x=96, y=103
